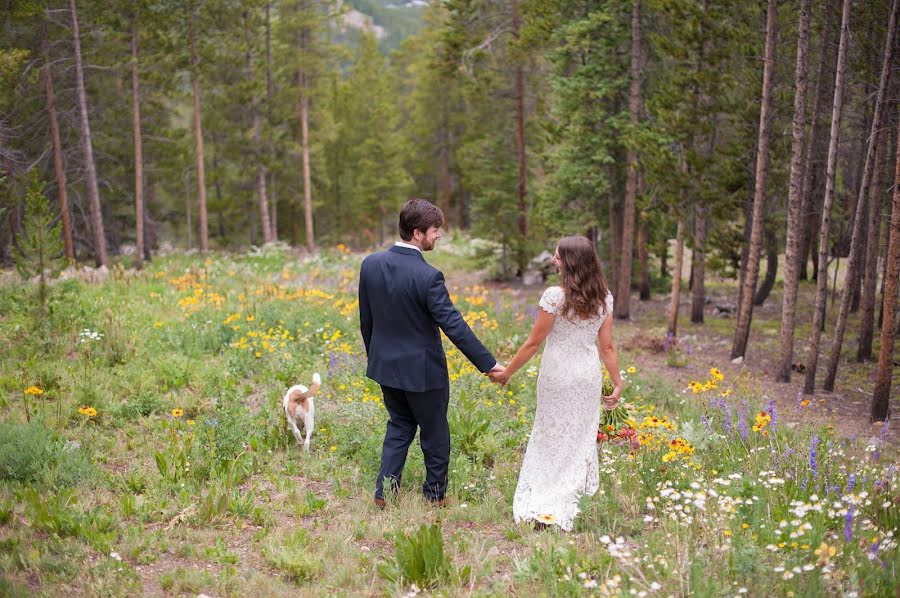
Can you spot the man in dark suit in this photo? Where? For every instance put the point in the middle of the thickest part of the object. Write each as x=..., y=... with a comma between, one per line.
x=403, y=306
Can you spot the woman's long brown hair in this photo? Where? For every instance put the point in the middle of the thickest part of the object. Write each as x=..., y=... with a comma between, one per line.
x=581, y=278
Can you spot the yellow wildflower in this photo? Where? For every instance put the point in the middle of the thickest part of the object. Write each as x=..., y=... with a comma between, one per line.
x=33, y=391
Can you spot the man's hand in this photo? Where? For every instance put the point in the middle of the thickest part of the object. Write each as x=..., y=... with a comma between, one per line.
x=498, y=374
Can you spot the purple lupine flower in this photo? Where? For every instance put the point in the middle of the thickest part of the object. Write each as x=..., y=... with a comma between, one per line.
x=727, y=421
x=687, y=349
x=804, y=483
x=830, y=489
x=774, y=459
x=848, y=525
x=851, y=482
x=813, y=448
x=705, y=421
x=799, y=401
x=770, y=408
x=743, y=427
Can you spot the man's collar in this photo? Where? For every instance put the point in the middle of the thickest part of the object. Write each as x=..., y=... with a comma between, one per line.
x=407, y=245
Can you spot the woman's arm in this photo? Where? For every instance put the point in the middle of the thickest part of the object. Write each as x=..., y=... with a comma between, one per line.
x=539, y=332
x=611, y=361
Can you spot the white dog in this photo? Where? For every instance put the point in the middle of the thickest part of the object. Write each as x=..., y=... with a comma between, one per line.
x=298, y=404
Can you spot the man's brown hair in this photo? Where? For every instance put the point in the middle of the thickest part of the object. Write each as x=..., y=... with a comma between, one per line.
x=419, y=214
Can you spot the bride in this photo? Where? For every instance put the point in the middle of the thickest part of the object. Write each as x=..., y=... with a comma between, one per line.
x=561, y=459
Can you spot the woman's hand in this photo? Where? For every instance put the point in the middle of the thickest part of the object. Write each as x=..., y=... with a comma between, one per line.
x=612, y=401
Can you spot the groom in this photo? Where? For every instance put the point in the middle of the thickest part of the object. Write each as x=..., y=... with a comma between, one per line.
x=403, y=306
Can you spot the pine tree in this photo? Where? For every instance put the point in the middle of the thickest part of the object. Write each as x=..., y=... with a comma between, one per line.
x=39, y=247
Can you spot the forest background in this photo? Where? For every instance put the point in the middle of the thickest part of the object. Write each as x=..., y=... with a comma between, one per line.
x=748, y=132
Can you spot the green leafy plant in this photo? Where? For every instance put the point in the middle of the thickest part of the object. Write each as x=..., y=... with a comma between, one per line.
x=419, y=558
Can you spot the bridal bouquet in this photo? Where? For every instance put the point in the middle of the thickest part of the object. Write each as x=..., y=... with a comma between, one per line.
x=616, y=424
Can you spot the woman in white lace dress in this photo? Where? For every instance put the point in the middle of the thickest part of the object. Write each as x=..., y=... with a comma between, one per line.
x=561, y=459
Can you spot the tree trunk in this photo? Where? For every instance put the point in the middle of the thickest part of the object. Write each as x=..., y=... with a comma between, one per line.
x=855, y=238
x=615, y=241
x=809, y=222
x=622, y=305
x=742, y=329
x=270, y=92
x=643, y=257
x=698, y=262
x=663, y=256
x=795, y=204
x=520, y=133
x=138, y=150
x=302, y=82
x=261, y=198
x=87, y=146
x=676, y=280
x=763, y=291
x=745, y=246
x=870, y=281
x=198, y=135
x=59, y=167
x=881, y=395
x=809, y=385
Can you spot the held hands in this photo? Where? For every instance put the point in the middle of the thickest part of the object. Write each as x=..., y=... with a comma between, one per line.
x=612, y=401
x=498, y=375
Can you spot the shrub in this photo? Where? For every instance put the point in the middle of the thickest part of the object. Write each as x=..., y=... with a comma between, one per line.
x=30, y=453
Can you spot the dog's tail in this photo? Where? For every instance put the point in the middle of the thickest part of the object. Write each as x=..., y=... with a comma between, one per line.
x=299, y=397
x=316, y=383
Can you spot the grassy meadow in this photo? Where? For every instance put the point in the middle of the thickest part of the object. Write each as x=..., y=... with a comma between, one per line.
x=143, y=451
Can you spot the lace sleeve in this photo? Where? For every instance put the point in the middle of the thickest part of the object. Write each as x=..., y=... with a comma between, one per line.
x=609, y=302
x=552, y=299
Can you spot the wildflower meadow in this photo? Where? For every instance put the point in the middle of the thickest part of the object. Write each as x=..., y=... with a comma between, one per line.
x=144, y=451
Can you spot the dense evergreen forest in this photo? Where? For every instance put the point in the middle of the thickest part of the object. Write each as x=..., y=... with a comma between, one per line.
x=743, y=131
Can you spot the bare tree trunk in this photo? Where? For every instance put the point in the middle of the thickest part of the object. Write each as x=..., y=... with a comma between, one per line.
x=809, y=222
x=855, y=238
x=698, y=262
x=809, y=385
x=59, y=167
x=643, y=257
x=270, y=186
x=307, y=177
x=742, y=329
x=261, y=198
x=198, y=135
x=663, y=256
x=881, y=395
x=622, y=307
x=870, y=268
x=676, y=279
x=520, y=133
x=138, y=150
x=763, y=291
x=87, y=146
x=187, y=209
x=615, y=241
x=795, y=203
x=304, y=142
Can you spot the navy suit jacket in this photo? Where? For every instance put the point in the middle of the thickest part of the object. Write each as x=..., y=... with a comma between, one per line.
x=403, y=306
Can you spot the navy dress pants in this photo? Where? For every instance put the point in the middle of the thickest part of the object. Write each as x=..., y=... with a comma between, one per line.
x=409, y=410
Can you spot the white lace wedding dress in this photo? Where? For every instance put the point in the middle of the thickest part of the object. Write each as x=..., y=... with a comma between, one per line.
x=560, y=462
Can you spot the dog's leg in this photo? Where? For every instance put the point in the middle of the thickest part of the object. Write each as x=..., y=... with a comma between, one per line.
x=296, y=432
x=308, y=427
